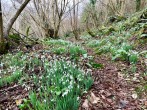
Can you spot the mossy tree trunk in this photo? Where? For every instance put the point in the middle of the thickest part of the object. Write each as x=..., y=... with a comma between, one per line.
x=4, y=33
x=1, y=25
x=56, y=29
x=138, y=5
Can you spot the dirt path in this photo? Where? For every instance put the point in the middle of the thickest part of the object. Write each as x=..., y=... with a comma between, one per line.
x=112, y=89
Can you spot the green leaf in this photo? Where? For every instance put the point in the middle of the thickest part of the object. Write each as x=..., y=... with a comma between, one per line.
x=58, y=93
x=97, y=65
x=133, y=58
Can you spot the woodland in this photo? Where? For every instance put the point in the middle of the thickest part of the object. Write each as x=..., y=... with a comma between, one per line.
x=73, y=54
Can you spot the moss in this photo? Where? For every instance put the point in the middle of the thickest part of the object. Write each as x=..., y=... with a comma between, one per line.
x=113, y=19
x=15, y=37
x=4, y=48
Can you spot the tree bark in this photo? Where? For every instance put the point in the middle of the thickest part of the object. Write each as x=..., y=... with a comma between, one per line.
x=57, y=30
x=1, y=25
x=75, y=20
x=138, y=5
x=13, y=19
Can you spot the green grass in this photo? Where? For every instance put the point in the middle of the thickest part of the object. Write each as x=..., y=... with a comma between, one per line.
x=7, y=80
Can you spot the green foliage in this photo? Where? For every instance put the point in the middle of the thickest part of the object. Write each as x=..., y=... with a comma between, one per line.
x=107, y=30
x=57, y=42
x=126, y=53
x=76, y=51
x=14, y=65
x=86, y=37
x=119, y=39
x=60, y=50
x=95, y=65
x=59, y=87
x=10, y=79
x=27, y=31
x=93, y=43
x=117, y=46
x=11, y=60
x=15, y=37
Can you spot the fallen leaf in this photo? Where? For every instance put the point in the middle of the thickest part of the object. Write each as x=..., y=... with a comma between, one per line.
x=85, y=104
x=145, y=103
x=18, y=102
x=120, y=75
x=94, y=99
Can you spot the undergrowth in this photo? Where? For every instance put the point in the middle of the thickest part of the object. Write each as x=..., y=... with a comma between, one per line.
x=60, y=87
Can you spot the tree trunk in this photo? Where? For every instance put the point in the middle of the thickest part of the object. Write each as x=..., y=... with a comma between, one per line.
x=75, y=20
x=13, y=19
x=138, y=5
x=2, y=43
x=1, y=25
x=122, y=7
x=57, y=30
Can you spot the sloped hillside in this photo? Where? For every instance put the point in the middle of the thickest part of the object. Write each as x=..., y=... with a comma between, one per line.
x=105, y=72
x=121, y=48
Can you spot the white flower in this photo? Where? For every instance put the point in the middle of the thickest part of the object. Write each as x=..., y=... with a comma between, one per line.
x=65, y=93
x=71, y=77
x=40, y=77
x=78, y=98
x=44, y=100
x=70, y=86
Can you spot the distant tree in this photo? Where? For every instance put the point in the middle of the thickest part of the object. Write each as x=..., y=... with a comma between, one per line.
x=138, y=5
x=74, y=18
x=49, y=15
x=1, y=25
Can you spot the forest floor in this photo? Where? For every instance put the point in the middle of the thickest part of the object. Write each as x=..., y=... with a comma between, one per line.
x=117, y=62
x=114, y=87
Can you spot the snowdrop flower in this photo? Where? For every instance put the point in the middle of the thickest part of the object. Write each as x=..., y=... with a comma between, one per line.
x=63, y=83
x=71, y=82
x=40, y=77
x=65, y=93
x=44, y=100
x=11, y=68
x=71, y=77
x=38, y=89
x=78, y=98
x=43, y=56
x=47, y=76
x=70, y=86
x=1, y=64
